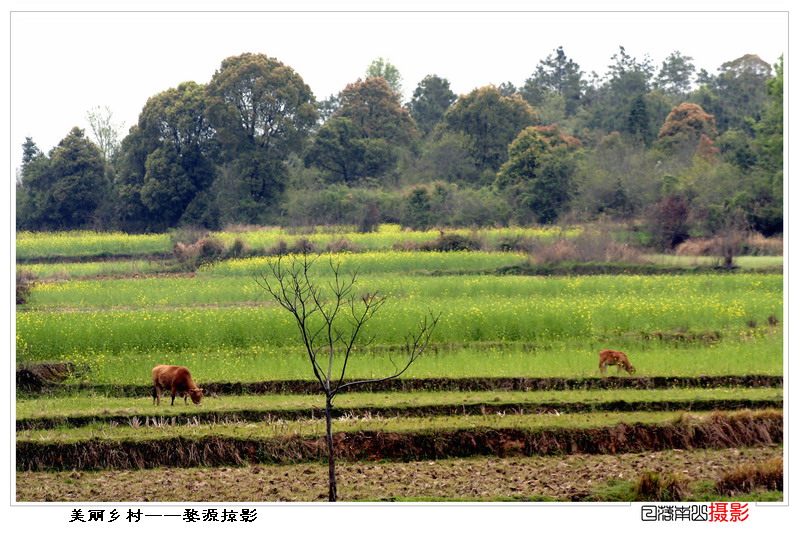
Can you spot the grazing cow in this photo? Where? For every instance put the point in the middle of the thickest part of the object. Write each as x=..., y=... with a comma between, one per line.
x=613, y=357
x=178, y=380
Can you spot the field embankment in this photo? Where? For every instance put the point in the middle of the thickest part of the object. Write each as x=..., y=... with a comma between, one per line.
x=717, y=430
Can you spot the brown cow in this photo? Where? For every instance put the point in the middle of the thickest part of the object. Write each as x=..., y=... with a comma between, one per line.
x=178, y=380
x=613, y=357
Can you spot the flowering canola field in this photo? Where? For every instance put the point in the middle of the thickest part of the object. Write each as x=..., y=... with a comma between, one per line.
x=223, y=323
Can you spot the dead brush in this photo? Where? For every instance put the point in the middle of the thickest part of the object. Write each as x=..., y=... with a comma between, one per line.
x=653, y=487
x=406, y=246
x=745, y=244
x=757, y=244
x=25, y=282
x=343, y=245
x=204, y=250
x=751, y=476
x=589, y=246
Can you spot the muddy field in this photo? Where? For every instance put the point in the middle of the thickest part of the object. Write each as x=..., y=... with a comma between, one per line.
x=565, y=478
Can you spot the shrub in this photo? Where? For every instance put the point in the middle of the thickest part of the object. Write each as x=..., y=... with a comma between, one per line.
x=451, y=242
x=406, y=246
x=204, y=250
x=279, y=248
x=515, y=243
x=238, y=248
x=749, y=244
x=590, y=246
x=302, y=246
x=187, y=235
x=25, y=282
x=343, y=245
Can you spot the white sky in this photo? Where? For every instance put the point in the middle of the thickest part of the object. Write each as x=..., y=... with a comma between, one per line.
x=63, y=64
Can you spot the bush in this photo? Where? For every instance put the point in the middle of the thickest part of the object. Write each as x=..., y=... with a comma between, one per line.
x=238, y=248
x=751, y=244
x=516, y=243
x=25, y=282
x=279, y=248
x=452, y=242
x=343, y=245
x=204, y=250
x=589, y=246
x=302, y=246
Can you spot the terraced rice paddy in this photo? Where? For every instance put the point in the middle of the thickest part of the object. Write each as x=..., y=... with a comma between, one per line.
x=116, y=326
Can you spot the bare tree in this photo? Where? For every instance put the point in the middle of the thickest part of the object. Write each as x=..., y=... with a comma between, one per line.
x=731, y=237
x=331, y=321
x=106, y=132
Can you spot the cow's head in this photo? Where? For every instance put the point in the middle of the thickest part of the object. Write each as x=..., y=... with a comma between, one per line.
x=196, y=395
x=631, y=369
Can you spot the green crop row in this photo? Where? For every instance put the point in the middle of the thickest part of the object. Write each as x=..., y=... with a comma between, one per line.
x=85, y=405
x=371, y=262
x=62, y=271
x=316, y=427
x=565, y=359
x=90, y=243
x=741, y=293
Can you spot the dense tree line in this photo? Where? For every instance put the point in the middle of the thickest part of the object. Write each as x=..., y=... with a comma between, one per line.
x=665, y=145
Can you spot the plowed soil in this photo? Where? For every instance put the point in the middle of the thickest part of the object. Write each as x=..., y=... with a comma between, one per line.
x=570, y=478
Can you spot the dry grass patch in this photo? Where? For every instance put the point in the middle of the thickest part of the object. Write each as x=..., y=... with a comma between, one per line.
x=750, y=476
x=589, y=246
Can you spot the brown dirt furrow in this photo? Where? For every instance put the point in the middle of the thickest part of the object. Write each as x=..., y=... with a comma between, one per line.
x=566, y=478
x=717, y=431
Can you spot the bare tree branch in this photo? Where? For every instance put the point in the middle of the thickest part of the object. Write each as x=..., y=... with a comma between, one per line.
x=337, y=328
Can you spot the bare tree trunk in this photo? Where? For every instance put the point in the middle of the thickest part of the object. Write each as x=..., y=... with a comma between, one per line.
x=331, y=465
x=293, y=289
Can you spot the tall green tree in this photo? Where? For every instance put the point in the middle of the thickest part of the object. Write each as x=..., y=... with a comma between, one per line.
x=65, y=190
x=490, y=121
x=431, y=99
x=167, y=160
x=676, y=75
x=79, y=185
x=683, y=130
x=617, y=104
x=539, y=172
x=34, y=203
x=737, y=95
x=372, y=107
x=382, y=68
x=364, y=137
x=262, y=111
x=556, y=74
x=766, y=195
x=346, y=155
